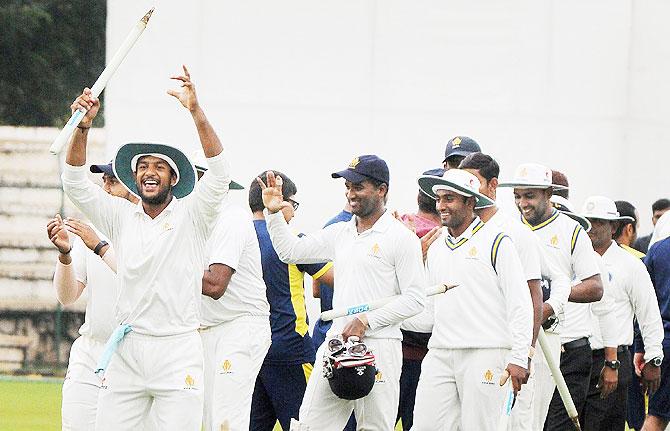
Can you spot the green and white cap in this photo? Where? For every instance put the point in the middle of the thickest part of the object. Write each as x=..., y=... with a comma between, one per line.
x=458, y=181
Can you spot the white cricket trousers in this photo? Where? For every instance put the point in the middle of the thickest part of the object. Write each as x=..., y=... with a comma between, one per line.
x=164, y=374
x=81, y=385
x=321, y=410
x=459, y=390
x=234, y=352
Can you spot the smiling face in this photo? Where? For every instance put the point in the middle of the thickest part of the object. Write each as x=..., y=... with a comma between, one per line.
x=365, y=198
x=154, y=179
x=534, y=204
x=456, y=211
x=600, y=232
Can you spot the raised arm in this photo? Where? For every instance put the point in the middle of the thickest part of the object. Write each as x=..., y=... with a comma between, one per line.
x=212, y=189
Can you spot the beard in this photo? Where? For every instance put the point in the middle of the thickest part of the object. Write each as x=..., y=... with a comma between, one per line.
x=159, y=199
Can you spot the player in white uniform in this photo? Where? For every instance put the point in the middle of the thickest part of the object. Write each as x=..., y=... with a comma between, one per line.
x=79, y=268
x=634, y=296
x=538, y=269
x=566, y=243
x=481, y=328
x=374, y=256
x=160, y=249
x=235, y=320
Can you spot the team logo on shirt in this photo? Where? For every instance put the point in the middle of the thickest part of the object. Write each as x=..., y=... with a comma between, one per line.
x=190, y=382
x=554, y=241
x=167, y=226
x=488, y=378
x=354, y=163
x=226, y=367
x=456, y=142
x=375, y=251
x=379, y=377
x=472, y=252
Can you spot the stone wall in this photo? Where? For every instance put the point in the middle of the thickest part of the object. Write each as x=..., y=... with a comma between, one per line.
x=30, y=194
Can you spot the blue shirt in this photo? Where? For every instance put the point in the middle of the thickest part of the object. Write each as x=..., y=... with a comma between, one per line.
x=326, y=292
x=291, y=343
x=658, y=265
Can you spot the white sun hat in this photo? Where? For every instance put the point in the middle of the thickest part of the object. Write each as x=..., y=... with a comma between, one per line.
x=458, y=181
x=603, y=208
x=531, y=176
x=563, y=205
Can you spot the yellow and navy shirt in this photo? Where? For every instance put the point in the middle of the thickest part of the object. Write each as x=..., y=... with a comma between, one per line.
x=291, y=343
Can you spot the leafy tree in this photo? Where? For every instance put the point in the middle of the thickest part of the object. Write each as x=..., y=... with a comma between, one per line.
x=49, y=51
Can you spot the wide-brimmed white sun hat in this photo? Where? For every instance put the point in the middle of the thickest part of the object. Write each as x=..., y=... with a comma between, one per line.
x=531, y=176
x=458, y=181
x=603, y=208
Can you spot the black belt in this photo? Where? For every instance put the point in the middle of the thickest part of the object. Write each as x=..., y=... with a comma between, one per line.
x=620, y=349
x=580, y=342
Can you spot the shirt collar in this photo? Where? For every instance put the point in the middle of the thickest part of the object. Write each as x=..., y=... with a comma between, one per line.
x=554, y=216
x=468, y=233
x=168, y=209
x=381, y=225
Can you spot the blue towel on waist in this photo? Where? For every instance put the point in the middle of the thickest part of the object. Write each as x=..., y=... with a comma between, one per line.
x=111, y=346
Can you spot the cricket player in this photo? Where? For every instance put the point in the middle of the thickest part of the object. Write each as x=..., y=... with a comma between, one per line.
x=235, y=322
x=160, y=250
x=537, y=268
x=86, y=262
x=374, y=256
x=565, y=242
x=634, y=296
x=481, y=328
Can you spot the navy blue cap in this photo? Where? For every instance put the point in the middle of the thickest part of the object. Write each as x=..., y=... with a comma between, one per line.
x=437, y=172
x=461, y=146
x=364, y=168
x=103, y=169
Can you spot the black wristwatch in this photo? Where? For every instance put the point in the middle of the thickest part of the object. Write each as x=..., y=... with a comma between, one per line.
x=613, y=364
x=656, y=362
x=99, y=247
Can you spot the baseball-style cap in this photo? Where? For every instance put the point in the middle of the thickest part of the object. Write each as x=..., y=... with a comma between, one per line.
x=602, y=208
x=564, y=206
x=458, y=181
x=363, y=168
x=103, y=169
x=461, y=146
x=531, y=176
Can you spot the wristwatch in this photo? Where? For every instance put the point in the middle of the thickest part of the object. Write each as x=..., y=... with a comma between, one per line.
x=613, y=364
x=99, y=247
x=656, y=362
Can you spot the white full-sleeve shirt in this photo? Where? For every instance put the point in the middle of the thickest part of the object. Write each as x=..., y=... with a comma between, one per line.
x=234, y=243
x=633, y=296
x=491, y=307
x=565, y=242
x=383, y=261
x=101, y=290
x=159, y=260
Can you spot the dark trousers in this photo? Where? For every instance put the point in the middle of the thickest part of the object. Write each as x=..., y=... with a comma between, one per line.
x=635, y=410
x=277, y=396
x=409, y=379
x=576, y=369
x=608, y=414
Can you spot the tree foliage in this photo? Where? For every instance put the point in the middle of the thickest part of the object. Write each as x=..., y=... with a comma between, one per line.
x=49, y=51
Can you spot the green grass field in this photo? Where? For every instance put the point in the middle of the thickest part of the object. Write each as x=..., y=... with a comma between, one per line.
x=30, y=404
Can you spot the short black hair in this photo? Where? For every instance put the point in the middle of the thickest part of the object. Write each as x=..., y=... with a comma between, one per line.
x=426, y=203
x=256, y=195
x=483, y=163
x=625, y=209
x=559, y=178
x=660, y=205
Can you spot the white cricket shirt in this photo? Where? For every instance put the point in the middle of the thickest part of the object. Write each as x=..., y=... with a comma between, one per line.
x=160, y=260
x=491, y=306
x=101, y=290
x=383, y=261
x=566, y=243
x=534, y=260
x=234, y=243
x=633, y=296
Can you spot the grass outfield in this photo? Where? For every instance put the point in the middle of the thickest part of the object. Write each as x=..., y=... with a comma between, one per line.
x=30, y=404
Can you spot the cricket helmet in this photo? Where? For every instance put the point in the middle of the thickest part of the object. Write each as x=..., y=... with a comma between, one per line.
x=349, y=367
